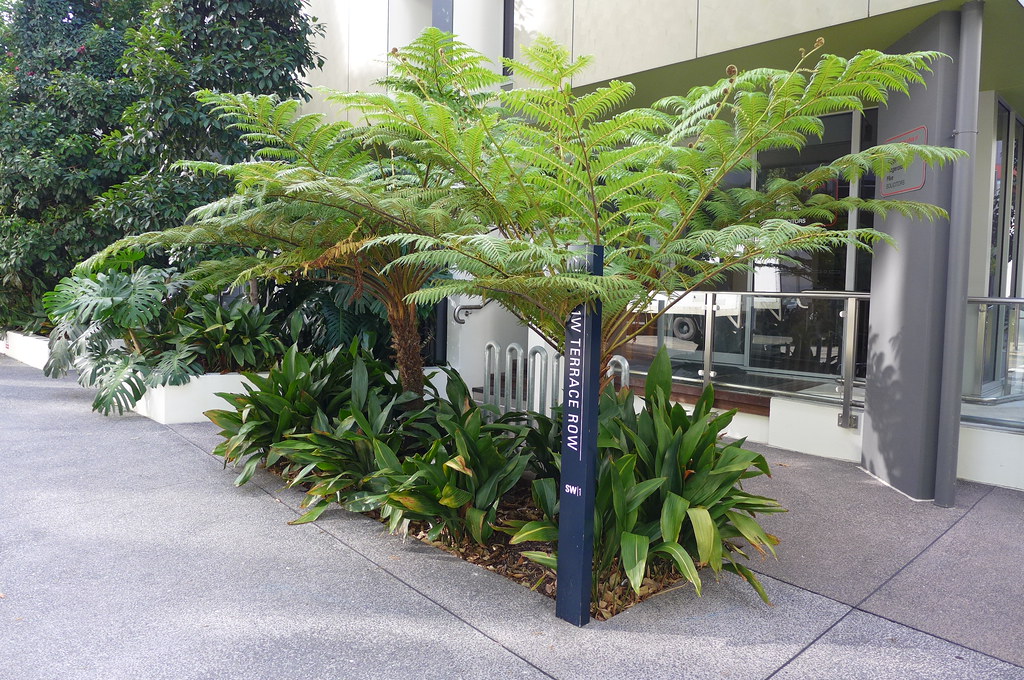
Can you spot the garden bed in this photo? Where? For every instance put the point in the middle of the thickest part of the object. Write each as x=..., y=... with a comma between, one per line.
x=186, y=403
x=33, y=350
x=506, y=559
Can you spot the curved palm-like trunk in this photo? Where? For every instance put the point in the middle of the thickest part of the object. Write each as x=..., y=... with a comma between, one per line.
x=391, y=289
x=405, y=340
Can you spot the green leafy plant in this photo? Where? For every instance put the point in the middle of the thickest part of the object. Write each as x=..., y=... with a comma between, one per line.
x=321, y=315
x=446, y=172
x=309, y=200
x=650, y=185
x=302, y=390
x=226, y=337
x=95, y=106
x=126, y=331
x=106, y=327
x=442, y=464
x=339, y=460
x=669, y=493
x=175, y=48
x=454, y=486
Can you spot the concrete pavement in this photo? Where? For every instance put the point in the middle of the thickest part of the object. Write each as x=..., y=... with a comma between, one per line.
x=126, y=552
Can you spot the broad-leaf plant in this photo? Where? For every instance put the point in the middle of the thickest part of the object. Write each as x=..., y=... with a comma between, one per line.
x=125, y=331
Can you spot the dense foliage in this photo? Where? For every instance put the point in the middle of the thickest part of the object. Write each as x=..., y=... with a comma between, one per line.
x=448, y=172
x=96, y=100
x=556, y=168
x=177, y=48
x=300, y=395
x=62, y=91
x=669, y=498
x=124, y=331
x=669, y=493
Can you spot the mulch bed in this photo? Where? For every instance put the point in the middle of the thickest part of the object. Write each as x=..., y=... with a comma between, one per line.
x=507, y=560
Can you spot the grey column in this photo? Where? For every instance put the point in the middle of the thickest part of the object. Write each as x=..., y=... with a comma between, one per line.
x=443, y=15
x=908, y=284
x=966, y=138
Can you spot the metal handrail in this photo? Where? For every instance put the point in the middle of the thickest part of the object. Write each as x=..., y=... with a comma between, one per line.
x=812, y=294
x=1015, y=306
x=492, y=381
x=618, y=364
x=846, y=417
x=994, y=301
x=460, y=313
x=515, y=377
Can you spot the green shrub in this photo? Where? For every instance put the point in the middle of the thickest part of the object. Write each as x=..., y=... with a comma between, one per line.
x=227, y=337
x=109, y=326
x=668, y=490
x=126, y=331
x=669, y=494
x=301, y=392
x=456, y=484
x=441, y=464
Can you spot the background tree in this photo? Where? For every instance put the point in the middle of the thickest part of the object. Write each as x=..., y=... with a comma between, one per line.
x=61, y=91
x=180, y=47
x=100, y=103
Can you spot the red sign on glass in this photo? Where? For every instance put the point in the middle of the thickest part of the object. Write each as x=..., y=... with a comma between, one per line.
x=911, y=178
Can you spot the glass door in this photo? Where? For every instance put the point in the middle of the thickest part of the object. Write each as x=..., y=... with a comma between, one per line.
x=1005, y=271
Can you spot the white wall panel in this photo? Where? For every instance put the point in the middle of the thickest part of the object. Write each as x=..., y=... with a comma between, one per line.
x=368, y=44
x=406, y=20
x=334, y=46
x=882, y=6
x=551, y=18
x=628, y=38
x=480, y=24
x=729, y=24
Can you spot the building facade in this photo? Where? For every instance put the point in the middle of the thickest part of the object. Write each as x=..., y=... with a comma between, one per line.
x=910, y=360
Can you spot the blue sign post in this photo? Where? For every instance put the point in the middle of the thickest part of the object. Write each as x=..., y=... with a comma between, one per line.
x=580, y=386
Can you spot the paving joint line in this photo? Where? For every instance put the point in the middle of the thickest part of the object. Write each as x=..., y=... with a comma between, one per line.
x=925, y=549
x=382, y=567
x=809, y=644
x=851, y=608
x=411, y=587
x=859, y=608
x=890, y=620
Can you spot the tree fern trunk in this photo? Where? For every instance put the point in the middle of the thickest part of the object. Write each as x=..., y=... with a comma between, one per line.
x=405, y=340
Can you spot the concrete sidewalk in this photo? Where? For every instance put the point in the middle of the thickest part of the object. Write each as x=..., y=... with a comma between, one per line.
x=126, y=552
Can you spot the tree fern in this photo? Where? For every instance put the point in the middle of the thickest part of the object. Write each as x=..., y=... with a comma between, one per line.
x=647, y=184
x=445, y=171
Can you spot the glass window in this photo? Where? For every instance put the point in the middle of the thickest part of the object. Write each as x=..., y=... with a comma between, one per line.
x=995, y=275
x=1013, y=277
x=812, y=271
